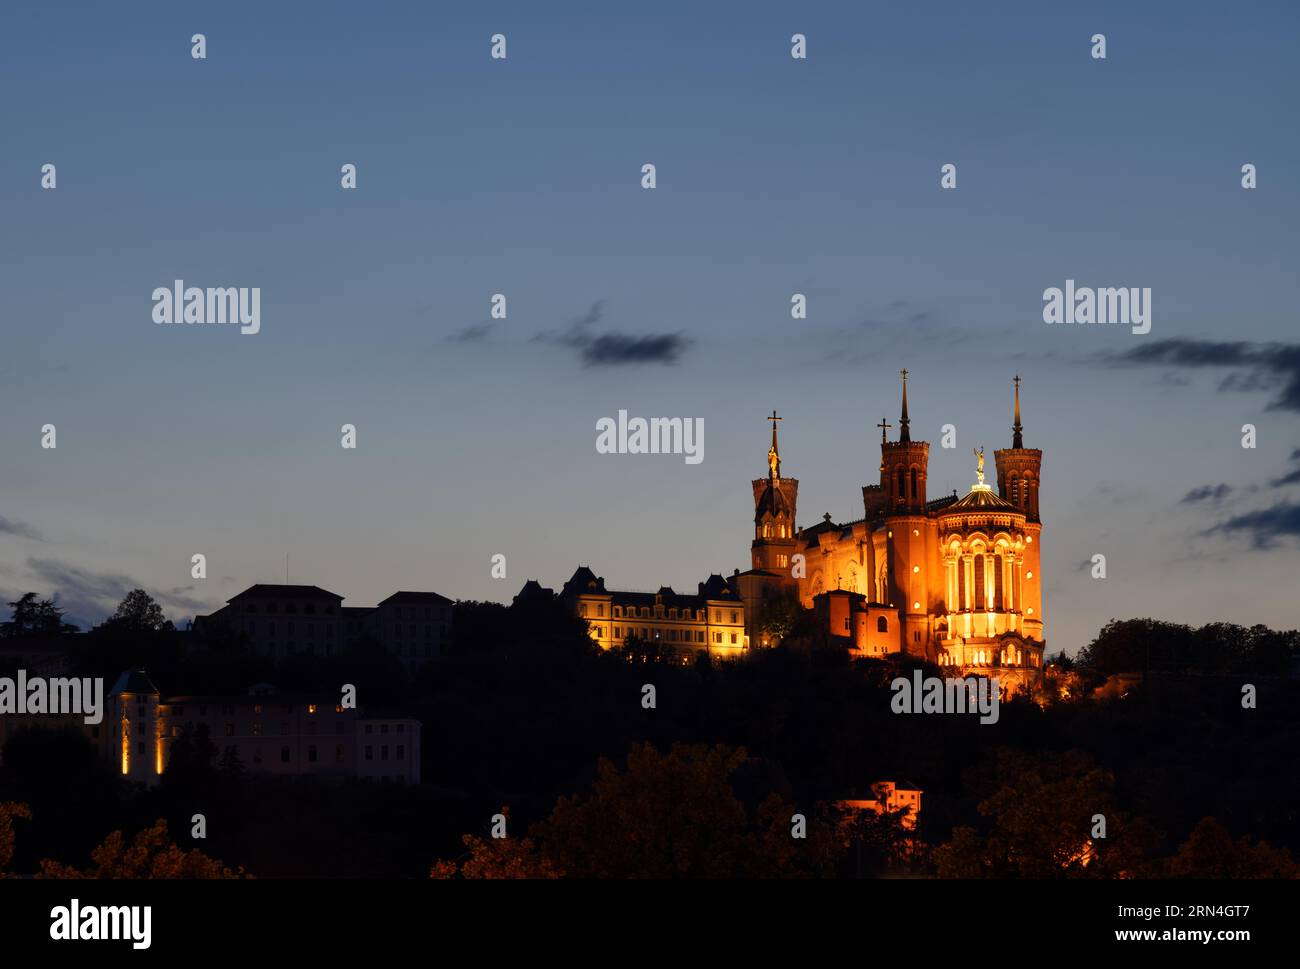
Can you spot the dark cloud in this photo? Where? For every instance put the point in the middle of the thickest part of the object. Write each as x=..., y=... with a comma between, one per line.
x=1265, y=526
x=474, y=333
x=18, y=529
x=1293, y=476
x=613, y=349
x=1210, y=493
x=1273, y=367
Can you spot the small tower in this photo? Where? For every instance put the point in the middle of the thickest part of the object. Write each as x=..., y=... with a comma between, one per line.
x=774, y=510
x=1018, y=475
x=1018, y=468
x=903, y=467
x=909, y=536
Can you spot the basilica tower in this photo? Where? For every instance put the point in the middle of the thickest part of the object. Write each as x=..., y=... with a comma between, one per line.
x=911, y=572
x=774, y=510
x=903, y=466
x=1018, y=476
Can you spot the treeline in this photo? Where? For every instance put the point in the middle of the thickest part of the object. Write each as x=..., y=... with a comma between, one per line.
x=1141, y=645
x=523, y=710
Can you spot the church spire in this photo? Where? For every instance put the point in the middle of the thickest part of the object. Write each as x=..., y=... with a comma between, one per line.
x=1017, y=438
x=774, y=453
x=904, y=433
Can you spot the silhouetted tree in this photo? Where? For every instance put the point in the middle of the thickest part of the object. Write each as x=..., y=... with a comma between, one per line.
x=35, y=617
x=9, y=811
x=138, y=612
x=1210, y=852
x=151, y=854
x=677, y=815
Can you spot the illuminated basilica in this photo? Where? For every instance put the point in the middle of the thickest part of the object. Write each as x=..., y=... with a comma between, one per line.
x=955, y=580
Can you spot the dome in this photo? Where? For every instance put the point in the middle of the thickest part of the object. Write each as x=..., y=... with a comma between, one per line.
x=979, y=498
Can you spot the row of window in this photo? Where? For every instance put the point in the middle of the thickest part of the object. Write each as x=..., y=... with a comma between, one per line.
x=290, y=608
x=178, y=710
x=689, y=615
x=340, y=728
x=1009, y=656
x=290, y=630
x=670, y=635
x=428, y=631
x=383, y=752
x=410, y=612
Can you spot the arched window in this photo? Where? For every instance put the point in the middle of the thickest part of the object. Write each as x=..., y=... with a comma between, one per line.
x=914, y=482
x=882, y=625
x=979, y=581
x=900, y=493
x=997, y=583
x=963, y=598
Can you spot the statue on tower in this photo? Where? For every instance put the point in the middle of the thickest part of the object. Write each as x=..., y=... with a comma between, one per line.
x=773, y=455
x=979, y=472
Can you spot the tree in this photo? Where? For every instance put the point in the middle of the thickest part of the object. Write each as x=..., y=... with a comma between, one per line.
x=497, y=858
x=151, y=854
x=33, y=617
x=1210, y=852
x=1042, y=819
x=778, y=615
x=677, y=815
x=138, y=612
x=189, y=763
x=9, y=810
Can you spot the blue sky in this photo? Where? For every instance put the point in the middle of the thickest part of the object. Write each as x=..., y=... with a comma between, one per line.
x=775, y=176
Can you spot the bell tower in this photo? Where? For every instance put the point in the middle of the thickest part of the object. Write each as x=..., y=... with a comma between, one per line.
x=903, y=467
x=1018, y=474
x=1018, y=468
x=774, y=510
x=911, y=586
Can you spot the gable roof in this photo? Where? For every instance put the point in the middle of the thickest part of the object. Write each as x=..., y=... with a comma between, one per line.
x=269, y=591
x=422, y=598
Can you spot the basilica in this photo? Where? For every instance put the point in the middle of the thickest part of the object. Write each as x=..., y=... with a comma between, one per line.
x=954, y=580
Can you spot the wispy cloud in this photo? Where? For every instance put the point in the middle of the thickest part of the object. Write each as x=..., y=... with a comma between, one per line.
x=1272, y=367
x=1211, y=493
x=88, y=596
x=474, y=333
x=19, y=529
x=1265, y=526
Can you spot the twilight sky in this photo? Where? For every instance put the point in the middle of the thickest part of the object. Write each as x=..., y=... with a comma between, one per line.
x=522, y=177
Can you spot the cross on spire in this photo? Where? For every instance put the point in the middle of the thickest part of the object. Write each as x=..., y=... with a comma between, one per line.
x=884, y=425
x=1017, y=437
x=904, y=425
